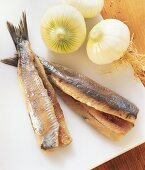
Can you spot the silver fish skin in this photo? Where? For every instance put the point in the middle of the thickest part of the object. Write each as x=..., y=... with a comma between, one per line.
x=90, y=88
x=39, y=104
x=115, y=104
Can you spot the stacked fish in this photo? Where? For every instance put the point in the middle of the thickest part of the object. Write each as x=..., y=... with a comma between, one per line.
x=105, y=110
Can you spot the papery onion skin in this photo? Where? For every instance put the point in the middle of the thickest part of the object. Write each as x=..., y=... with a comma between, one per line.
x=108, y=41
x=88, y=8
x=63, y=29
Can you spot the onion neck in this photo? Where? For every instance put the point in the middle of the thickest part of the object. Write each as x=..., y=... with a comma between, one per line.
x=96, y=35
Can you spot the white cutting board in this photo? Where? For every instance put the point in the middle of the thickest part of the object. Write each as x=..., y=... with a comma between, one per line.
x=18, y=145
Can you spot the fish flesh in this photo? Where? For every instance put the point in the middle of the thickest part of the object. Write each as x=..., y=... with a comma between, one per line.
x=104, y=109
x=44, y=110
x=111, y=126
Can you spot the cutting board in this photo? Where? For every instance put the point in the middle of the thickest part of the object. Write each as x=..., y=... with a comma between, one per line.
x=18, y=147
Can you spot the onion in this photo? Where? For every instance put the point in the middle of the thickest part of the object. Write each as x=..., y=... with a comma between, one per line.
x=88, y=8
x=63, y=29
x=108, y=41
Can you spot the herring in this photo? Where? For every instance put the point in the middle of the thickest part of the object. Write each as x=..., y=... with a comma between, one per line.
x=113, y=115
x=45, y=113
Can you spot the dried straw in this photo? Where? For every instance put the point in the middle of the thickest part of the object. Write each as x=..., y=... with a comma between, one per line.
x=136, y=60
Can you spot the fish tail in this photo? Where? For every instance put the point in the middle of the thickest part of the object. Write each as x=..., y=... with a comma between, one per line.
x=11, y=61
x=20, y=32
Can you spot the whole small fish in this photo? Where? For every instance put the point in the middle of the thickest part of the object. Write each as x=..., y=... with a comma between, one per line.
x=45, y=113
x=104, y=109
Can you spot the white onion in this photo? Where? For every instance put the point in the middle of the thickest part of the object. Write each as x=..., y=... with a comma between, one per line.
x=108, y=41
x=63, y=29
x=88, y=8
